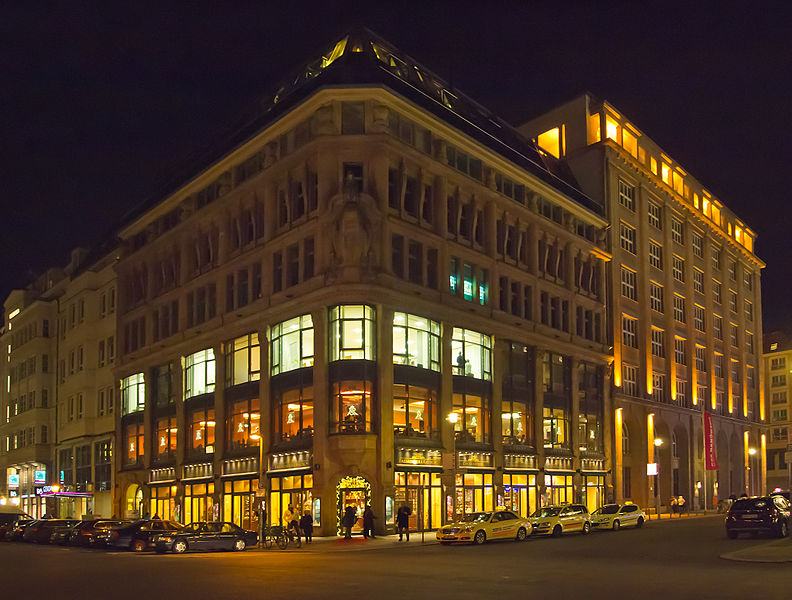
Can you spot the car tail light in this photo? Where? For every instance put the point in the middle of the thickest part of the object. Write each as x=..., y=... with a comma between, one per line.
x=115, y=534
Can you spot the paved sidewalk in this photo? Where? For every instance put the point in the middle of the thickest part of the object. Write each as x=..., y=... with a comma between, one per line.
x=687, y=515
x=777, y=551
x=357, y=543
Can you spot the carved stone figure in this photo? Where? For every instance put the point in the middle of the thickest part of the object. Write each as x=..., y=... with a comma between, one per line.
x=380, y=119
x=323, y=123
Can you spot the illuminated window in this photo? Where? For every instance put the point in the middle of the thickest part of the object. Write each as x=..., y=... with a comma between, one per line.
x=612, y=130
x=629, y=331
x=656, y=297
x=242, y=423
x=167, y=434
x=655, y=214
x=658, y=342
x=653, y=164
x=133, y=394
x=551, y=142
x=352, y=332
x=627, y=195
x=294, y=412
x=471, y=354
x=199, y=373
x=630, y=142
x=243, y=358
x=679, y=351
x=627, y=237
x=665, y=173
x=628, y=287
x=594, y=129
x=416, y=341
x=201, y=423
x=679, y=308
x=415, y=411
x=352, y=406
x=134, y=446
x=292, y=344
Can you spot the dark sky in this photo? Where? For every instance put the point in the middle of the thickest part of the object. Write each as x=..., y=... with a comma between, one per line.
x=101, y=105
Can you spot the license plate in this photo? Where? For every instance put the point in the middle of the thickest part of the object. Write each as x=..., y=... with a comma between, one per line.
x=746, y=517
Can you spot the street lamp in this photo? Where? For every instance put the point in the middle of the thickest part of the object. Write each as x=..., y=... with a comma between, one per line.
x=751, y=452
x=453, y=418
x=657, y=443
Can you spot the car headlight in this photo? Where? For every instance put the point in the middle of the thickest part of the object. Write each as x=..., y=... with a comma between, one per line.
x=544, y=524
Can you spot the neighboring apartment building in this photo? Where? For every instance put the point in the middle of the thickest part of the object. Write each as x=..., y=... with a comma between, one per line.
x=57, y=423
x=685, y=310
x=380, y=292
x=86, y=388
x=28, y=344
x=778, y=383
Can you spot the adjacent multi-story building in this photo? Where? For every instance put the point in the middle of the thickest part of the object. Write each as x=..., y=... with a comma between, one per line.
x=379, y=294
x=685, y=310
x=778, y=385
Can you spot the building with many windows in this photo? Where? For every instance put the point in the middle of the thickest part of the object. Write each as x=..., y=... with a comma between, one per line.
x=777, y=360
x=380, y=294
x=685, y=310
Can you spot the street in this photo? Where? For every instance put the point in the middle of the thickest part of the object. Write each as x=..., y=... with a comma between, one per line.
x=669, y=559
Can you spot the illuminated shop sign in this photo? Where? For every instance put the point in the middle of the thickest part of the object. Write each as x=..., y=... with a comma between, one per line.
x=418, y=456
x=39, y=477
x=13, y=480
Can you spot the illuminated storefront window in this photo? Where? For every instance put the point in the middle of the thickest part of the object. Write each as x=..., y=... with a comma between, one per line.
x=243, y=420
x=474, y=492
x=199, y=373
x=162, y=503
x=294, y=415
x=471, y=417
x=243, y=360
x=414, y=411
x=470, y=351
x=290, y=490
x=423, y=493
x=352, y=332
x=594, y=491
x=590, y=407
x=166, y=437
x=517, y=408
x=292, y=344
x=416, y=341
x=133, y=443
x=239, y=503
x=198, y=502
x=202, y=430
x=557, y=401
x=516, y=424
x=520, y=493
x=352, y=406
x=133, y=394
x=558, y=489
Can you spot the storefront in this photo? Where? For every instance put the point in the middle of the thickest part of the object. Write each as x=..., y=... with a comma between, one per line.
x=66, y=501
x=474, y=493
x=239, y=503
x=593, y=490
x=520, y=493
x=133, y=502
x=199, y=502
x=423, y=493
x=162, y=502
x=290, y=490
x=558, y=488
x=354, y=492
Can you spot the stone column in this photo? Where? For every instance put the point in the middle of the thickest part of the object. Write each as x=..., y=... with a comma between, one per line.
x=574, y=437
x=500, y=356
x=539, y=418
x=322, y=486
x=445, y=408
x=267, y=409
x=219, y=408
x=385, y=441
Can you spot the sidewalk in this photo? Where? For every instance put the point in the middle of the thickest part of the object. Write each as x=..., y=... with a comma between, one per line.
x=357, y=543
x=687, y=515
x=777, y=551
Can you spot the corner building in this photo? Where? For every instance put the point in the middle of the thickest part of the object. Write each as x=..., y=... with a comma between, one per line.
x=684, y=312
x=380, y=293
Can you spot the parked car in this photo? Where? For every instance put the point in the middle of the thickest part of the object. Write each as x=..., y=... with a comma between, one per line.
x=15, y=533
x=61, y=534
x=555, y=520
x=93, y=532
x=40, y=531
x=139, y=536
x=480, y=527
x=8, y=517
x=615, y=516
x=760, y=514
x=201, y=536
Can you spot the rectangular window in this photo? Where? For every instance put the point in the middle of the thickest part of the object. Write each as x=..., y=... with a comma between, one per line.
x=677, y=231
x=778, y=380
x=352, y=118
x=655, y=215
x=779, y=398
x=701, y=359
x=471, y=354
x=199, y=373
x=658, y=342
x=352, y=332
x=629, y=331
x=698, y=244
x=717, y=291
x=415, y=263
x=778, y=363
x=681, y=392
x=698, y=280
x=277, y=272
x=698, y=318
x=243, y=360
x=717, y=326
x=292, y=344
x=656, y=297
x=747, y=279
x=655, y=255
x=133, y=396
x=748, y=310
x=627, y=237
x=716, y=257
x=749, y=342
x=679, y=308
x=733, y=301
x=628, y=283
x=630, y=379
x=678, y=268
x=732, y=269
x=679, y=351
x=658, y=387
x=733, y=334
x=416, y=341
x=627, y=195
x=719, y=365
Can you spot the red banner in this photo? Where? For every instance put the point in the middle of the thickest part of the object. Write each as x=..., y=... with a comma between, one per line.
x=709, y=443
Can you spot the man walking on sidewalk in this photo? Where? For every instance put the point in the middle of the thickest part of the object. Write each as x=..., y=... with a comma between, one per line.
x=403, y=521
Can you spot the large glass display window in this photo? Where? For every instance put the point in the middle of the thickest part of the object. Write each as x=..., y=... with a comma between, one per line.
x=243, y=360
x=558, y=489
x=202, y=431
x=199, y=373
x=352, y=406
x=423, y=493
x=133, y=393
x=198, y=502
x=290, y=490
x=416, y=341
x=167, y=434
x=474, y=492
x=133, y=444
x=239, y=502
x=242, y=423
x=294, y=413
x=292, y=344
x=352, y=332
x=520, y=493
x=471, y=354
x=414, y=411
x=470, y=417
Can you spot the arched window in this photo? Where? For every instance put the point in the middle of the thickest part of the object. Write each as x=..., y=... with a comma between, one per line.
x=625, y=439
x=674, y=446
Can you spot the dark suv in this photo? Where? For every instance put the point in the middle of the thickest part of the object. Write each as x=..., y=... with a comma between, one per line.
x=769, y=514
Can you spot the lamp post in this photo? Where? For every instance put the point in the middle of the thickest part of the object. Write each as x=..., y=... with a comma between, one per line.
x=453, y=418
x=657, y=443
x=751, y=452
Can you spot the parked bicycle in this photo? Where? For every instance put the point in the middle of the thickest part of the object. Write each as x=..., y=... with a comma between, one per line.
x=288, y=536
x=269, y=536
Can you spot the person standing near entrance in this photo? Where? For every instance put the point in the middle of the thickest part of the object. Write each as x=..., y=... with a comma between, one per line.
x=306, y=524
x=290, y=521
x=368, y=523
x=403, y=521
x=348, y=520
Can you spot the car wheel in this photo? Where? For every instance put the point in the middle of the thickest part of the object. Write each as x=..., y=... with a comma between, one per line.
x=639, y=523
x=480, y=537
x=239, y=545
x=522, y=535
x=557, y=531
x=616, y=525
x=137, y=546
x=732, y=535
x=179, y=547
x=586, y=528
x=783, y=529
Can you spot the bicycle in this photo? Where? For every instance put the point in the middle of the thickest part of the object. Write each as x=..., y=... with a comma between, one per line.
x=269, y=535
x=288, y=536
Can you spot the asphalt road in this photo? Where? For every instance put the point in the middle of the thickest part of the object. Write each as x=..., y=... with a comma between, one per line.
x=666, y=560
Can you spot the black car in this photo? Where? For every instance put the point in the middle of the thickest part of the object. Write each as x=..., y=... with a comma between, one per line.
x=61, y=534
x=17, y=530
x=770, y=514
x=139, y=536
x=8, y=520
x=93, y=532
x=39, y=532
x=207, y=536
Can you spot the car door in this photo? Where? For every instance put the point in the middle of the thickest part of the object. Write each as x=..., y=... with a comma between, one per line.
x=197, y=536
x=228, y=534
x=628, y=515
x=511, y=523
x=495, y=526
x=567, y=518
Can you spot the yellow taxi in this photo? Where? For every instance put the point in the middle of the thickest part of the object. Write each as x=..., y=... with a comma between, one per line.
x=555, y=520
x=479, y=527
x=614, y=516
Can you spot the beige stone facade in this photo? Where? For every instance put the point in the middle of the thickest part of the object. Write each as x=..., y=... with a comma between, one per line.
x=777, y=360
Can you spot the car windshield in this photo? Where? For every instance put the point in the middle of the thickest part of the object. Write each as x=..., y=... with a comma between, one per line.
x=476, y=517
x=750, y=504
x=610, y=509
x=550, y=511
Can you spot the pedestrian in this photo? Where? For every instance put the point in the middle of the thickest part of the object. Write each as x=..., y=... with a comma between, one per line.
x=306, y=524
x=681, y=504
x=403, y=521
x=368, y=523
x=348, y=520
x=673, y=504
x=290, y=521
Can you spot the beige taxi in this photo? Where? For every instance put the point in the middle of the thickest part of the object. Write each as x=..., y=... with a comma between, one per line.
x=479, y=527
x=565, y=518
x=615, y=516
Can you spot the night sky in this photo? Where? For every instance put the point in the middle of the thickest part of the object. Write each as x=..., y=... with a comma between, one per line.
x=101, y=106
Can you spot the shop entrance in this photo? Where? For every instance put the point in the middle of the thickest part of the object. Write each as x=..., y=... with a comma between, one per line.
x=423, y=493
x=355, y=492
x=134, y=501
x=520, y=493
x=594, y=490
